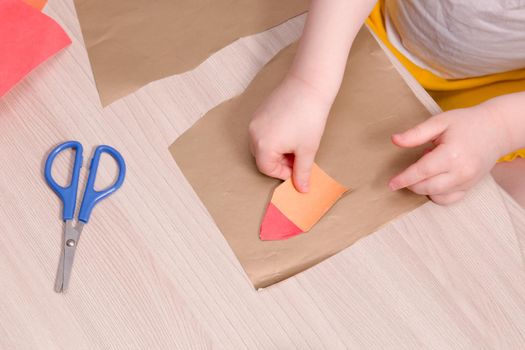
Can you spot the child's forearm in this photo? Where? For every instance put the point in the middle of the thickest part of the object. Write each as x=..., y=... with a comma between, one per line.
x=509, y=111
x=329, y=31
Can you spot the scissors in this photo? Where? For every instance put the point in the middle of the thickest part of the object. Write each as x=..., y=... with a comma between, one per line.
x=68, y=195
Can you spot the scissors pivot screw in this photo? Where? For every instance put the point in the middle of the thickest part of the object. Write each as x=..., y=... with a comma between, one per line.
x=71, y=243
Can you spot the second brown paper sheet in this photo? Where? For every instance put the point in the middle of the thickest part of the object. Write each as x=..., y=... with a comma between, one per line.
x=374, y=102
x=133, y=42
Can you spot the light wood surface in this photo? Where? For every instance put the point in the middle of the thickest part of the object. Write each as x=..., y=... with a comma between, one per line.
x=152, y=270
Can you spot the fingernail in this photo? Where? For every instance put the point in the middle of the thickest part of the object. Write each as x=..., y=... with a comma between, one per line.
x=304, y=187
x=395, y=138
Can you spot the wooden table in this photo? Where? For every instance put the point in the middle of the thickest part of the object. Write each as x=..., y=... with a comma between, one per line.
x=153, y=271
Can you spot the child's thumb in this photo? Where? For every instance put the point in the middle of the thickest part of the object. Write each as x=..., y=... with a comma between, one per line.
x=421, y=133
x=302, y=167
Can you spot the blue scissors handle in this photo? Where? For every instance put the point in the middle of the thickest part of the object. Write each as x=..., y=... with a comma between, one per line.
x=91, y=196
x=68, y=194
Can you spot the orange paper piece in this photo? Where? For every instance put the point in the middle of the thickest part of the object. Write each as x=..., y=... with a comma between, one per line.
x=27, y=38
x=38, y=4
x=291, y=212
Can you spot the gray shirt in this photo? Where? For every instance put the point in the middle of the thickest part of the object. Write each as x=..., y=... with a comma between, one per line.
x=459, y=38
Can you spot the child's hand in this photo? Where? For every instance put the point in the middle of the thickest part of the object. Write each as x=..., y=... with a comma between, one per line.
x=286, y=131
x=468, y=143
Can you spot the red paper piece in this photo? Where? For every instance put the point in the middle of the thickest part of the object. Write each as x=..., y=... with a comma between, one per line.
x=27, y=38
x=277, y=226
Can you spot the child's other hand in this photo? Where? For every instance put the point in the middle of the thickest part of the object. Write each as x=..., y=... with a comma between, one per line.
x=286, y=131
x=468, y=143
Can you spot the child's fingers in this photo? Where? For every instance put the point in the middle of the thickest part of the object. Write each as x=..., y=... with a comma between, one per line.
x=436, y=185
x=302, y=168
x=445, y=199
x=288, y=160
x=273, y=165
x=422, y=133
x=431, y=164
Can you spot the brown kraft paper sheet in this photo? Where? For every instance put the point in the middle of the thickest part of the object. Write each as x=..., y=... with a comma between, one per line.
x=374, y=102
x=133, y=42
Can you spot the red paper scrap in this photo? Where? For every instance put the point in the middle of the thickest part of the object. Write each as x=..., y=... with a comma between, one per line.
x=27, y=38
x=277, y=226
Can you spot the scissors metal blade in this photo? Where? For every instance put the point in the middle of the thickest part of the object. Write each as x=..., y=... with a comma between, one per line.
x=69, y=245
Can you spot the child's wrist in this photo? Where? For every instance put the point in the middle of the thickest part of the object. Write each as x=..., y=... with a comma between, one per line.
x=313, y=90
x=512, y=134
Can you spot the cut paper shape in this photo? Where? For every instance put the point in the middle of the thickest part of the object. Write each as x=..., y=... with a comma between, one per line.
x=27, y=38
x=291, y=212
x=276, y=225
x=38, y=4
x=131, y=43
x=373, y=103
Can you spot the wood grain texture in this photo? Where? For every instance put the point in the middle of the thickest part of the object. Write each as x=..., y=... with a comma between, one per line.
x=153, y=271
